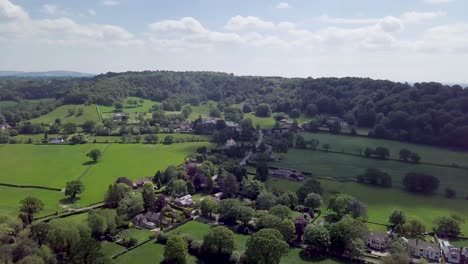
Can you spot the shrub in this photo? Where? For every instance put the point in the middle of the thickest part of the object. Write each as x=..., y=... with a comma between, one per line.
x=162, y=238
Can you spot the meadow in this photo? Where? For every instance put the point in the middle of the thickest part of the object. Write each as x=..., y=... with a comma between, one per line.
x=382, y=202
x=334, y=165
x=150, y=252
x=89, y=113
x=140, y=108
x=10, y=200
x=356, y=145
x=4, y=104
x=133, y=161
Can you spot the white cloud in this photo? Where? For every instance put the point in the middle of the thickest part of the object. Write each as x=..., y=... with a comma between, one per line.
x=49, y=9
x=347, y=21
x=185, y=24
x=11, y=11
x=437, y=1
x=390, y=24
x=110, y=2
x=239, y=23
x=91, y=12
x=282, y=5
x=418, y=17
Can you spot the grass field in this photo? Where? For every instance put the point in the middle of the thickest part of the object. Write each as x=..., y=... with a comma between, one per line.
x=89, y=113
x=110, y=249
x=356, y=145
x=10, y=200
x=133, y=161
x=382, y=202
x=139, y=234
x=333, y=165
x=4, y=104
x=201, y=110
x=140, y=108
x=116, y=139
x=296, y=256
x=148, y=253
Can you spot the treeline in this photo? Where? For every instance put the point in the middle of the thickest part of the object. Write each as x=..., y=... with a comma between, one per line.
x=429, y=113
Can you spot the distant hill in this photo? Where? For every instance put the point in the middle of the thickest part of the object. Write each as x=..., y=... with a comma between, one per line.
x=45, y=74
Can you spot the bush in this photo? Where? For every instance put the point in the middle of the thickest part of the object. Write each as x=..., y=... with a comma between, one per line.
x=162, y=238
x=235, y=257
x=450, y=193
x=195, y=247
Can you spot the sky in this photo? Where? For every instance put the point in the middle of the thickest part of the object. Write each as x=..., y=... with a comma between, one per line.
x=400, y=40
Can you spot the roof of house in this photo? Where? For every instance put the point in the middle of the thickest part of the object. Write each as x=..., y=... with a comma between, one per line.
x=421, y=244
x=152, y=216
x=378, y=235
x=187, y=199
x=142, y=181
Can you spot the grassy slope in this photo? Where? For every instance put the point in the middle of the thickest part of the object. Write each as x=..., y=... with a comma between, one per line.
x=90, y=113
x=331, y=165
x=43, y=165
x=382, y=202
x=145, y=107
x=10, y=200
x=133, y=161
x=356, y=144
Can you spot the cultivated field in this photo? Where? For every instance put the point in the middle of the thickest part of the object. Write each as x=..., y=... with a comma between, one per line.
x=381, y=202
x=89, y=113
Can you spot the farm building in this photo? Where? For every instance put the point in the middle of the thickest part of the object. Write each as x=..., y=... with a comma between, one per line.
x=150, y=220
x=287, y=174
x=377, y=240
x=422, y=249
x=184, y=201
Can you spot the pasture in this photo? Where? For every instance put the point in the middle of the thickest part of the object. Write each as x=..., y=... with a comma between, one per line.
x=150, y=252
x=133, y=161
x=381, y=202
x=177, y=137
x=139, y=108
x=10, y=200
x=333, y=165
x=356, y=145
x=89, y=113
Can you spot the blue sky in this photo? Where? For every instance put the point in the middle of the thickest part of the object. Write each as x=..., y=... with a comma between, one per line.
x=403, y=40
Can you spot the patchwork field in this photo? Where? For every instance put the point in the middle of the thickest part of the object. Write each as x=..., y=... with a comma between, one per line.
x=381, y=202
x=355, y=145
x=332, y=165
x=133, y=161
x=89, y=113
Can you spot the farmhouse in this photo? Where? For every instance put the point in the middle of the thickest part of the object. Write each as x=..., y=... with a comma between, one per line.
x=422, y=249
x=451, y=254
x=287, y=174
x=211, y=120
x=377, y=240
x=184, y=201
x=276, y=131
x=231, y=124
x=118, y=117
x=57, y=141
x=150, y=220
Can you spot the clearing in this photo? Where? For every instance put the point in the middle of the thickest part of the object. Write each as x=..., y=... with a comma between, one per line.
x=89, y=113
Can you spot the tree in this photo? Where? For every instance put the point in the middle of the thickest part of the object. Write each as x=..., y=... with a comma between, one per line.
x=382, y=153
x=69, y=128
x=266, y=247
x=420, y=183
x=289, y=199
x=263, y=110
x=73, y=188
x=230, y=186
x=130, y=206
x=448, y=226
x=399, y=253
x=219, y=241
x=286, y=228
x=151, y=139
x=177, y=188
x=94, y=154
x=101, y=222
x=176, y=250
x=29, y=207
x=88, y=126
x=415, y=158
x=168, y=140
x=207, y=207
x=414, y=229
x=310, y=186
x=317, y=238
x=246, y=108
x=242, y=213
x=115, y=193
x=343, y=204
x=299, y=224
x=281, y=211
x=265, y=201
x=347, y=237
x=313, y=201
x=405, y=154
x=262, y=172
x=207, y=168
x=397, y=219
x=450, y=193
x=149, y=197
x=252, y=189
x=326, y=147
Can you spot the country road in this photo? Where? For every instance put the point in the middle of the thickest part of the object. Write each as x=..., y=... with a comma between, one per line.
x=257, y=144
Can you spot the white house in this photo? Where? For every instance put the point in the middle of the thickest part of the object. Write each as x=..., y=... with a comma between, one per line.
x=422, y=249
x=377, y=240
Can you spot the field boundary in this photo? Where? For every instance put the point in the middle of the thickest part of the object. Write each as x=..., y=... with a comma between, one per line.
x=30, y=187
x=99, y=112
x=91, y=166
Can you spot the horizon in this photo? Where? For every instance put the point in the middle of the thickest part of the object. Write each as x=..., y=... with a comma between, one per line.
x=403, y=41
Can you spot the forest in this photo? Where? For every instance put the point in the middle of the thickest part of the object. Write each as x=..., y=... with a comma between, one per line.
x=428, y=113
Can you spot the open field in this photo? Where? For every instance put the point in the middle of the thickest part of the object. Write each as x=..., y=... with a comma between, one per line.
x=356, y=145
x=148, y=253
x=89, y=113
x=201, y=110
x=333, y=165
x=295, y=256
x=10, y=200
x=139, y=234
x=43, y=165
x=133, y=161
x=140, y=108
x=110, y=249
x=116, y=139
x=4, y=104
x=381, y=202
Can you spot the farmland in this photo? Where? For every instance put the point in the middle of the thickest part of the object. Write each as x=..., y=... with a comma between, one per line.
x=10, y=200
x=381, y=202
x=89, y=113
x=335, y=165
x=139, y=108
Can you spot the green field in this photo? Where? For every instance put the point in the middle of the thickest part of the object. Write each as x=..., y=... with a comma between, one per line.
x=89, y=113
x=381, y=202
x=202, y=110
x=133, y=161
x=110, y=249
x=355, y=145
x=139, y=234
x=333, y=165
x=296, y=256
x=10, y=200
x=140, y=108
x=4, y=104
x=148, y=253
x=117, y=139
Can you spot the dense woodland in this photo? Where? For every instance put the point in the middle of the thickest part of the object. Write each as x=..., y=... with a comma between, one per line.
x=429, y=113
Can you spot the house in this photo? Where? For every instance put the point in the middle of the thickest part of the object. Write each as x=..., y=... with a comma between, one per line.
x=124, y=180
x=231, y=124
x=4, y=126
x=150, y=220
x=140, y=182
x=184, y=201
x=377, y=240
x=422, y=249
x=211, y=120
x=57, y=141
x=464, y=256
x=452, y=254
x=118, y=117
x=217, y=196
x=276, y=131
x=229, y=143
x=287, y=174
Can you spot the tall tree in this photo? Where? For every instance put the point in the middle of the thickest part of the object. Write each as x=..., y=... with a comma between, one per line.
x=176, y=250
x=29, y=207
x=73, y=188
x=266, y=247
